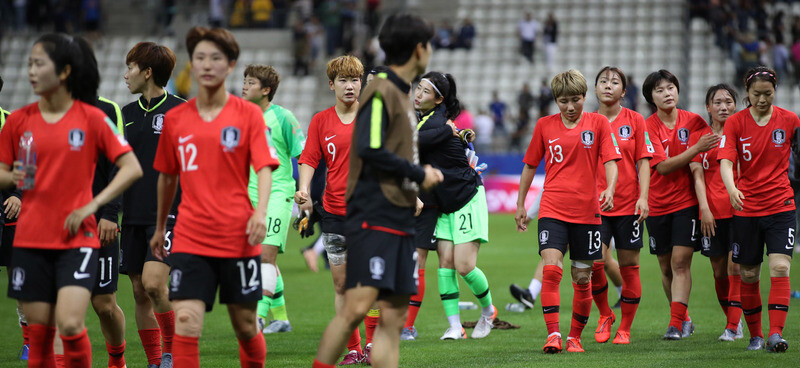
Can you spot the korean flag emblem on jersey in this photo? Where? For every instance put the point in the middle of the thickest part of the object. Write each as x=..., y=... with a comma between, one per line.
x=779, y=136
x=76, y=139
x=229, y=138
x=683, y=135
x=587, y=137
x=158, y=123
x=625, y=132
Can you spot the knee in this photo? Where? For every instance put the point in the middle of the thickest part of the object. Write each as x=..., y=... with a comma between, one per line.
x=354, y=313
x=140, y=295
x=154, y=289
x=581, y=276
x=189, y=320
x=681, y=266
x=750, y=274
x=464, y=268
x=104, y=307
x=779, y=269
x=70, y=326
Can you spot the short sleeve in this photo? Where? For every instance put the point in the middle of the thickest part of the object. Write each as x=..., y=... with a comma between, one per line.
x=652, y=137
x=166, y=161
x=312, y=154
x=644, y=148
x=727, y=145
x=260, y=155
x=112, y=143
x=693, y=139
x=535, y=152
x=8, y=139
x=609, y=149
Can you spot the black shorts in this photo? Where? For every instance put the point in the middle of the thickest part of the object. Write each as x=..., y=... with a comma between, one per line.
x=37, y=274
x=582, y=240
x=330, y=223
x=382, y=260
x=751, y=233
x=681, y=228
x=5, y=248
x=197, y=277
x=626, y=231
x=107, y=269
x=135, y=244
x=720, y=244
x=425, y=227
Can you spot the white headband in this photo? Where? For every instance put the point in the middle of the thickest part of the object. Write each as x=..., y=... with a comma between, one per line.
x=432, y=85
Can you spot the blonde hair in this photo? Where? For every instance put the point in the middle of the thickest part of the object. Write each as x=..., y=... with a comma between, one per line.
x=345, y=66
x=568, y=83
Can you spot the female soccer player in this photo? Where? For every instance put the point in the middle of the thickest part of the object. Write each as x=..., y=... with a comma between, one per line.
x=209, y=143
x=720, y=104
x=329, y=136
x=759, y=138
x=673, y=222
x=623, y=222
x=54, y=260
x=573, y=143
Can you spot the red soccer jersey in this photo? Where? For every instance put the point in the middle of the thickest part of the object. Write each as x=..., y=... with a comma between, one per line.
x=634, y=145
x=330, y=138
x=66, y=156
x=718, y=200
x=212, y=160
x=674, y=191
x=763, y=155
x=572, y=157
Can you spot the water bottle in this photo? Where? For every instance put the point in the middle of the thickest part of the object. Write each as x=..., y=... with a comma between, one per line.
x=515, y=307
x=27, y=156
x=467, y=305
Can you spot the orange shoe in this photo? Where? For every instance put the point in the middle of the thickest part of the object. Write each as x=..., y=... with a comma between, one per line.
x=553, y=344
x=603, y=332
x=574, y=345
x=623, y=337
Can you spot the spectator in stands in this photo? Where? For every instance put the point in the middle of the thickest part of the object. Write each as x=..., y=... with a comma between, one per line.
x=631, y=95
x=545, y=98
x=91, y=21
x=484, y=127
x=316, y=38
x=443, y=39
x=301, y=48
x=20, y=15
x=525, y=101
x=795, y=27
x=373, y=17
x=466, y=34
x=550, y=33
x=498, y=109
x=464, y=120
x=526, y=30
x=216, y=15
x=331, y=17
x=261, y=12
x=780, y=58
x=796, y=59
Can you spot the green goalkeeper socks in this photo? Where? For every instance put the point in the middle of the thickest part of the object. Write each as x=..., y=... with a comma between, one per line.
x=479, y=285
x=448, y=290
x=278, y=307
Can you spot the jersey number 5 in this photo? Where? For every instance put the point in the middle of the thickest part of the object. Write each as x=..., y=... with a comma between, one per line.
x=188, y=156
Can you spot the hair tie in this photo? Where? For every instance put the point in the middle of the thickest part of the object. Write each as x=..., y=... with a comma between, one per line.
x=432, y=85
x=760, y=73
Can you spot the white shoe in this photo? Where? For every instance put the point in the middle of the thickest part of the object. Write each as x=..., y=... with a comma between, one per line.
x=277, y=326
x=484, y=325
x=454, y=334
x=739, y=331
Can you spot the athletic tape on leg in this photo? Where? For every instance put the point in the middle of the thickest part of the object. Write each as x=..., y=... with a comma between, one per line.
x=335, y=246
x=269, y=277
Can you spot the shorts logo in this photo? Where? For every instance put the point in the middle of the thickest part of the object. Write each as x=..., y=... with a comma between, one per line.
x=158, y=123
x=625, y=131
x=706, y=243
x=683, y=135
x=544, y=235
x=652, y=243
x=175, y=280
x=230, y=138
x=587, y=137
x=76, y=139
x=377, y=266
x=778, y=136
x=17, y=278
x=735, y=249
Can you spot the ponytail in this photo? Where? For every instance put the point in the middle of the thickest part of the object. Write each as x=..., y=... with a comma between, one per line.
x=84, y=78
x=445, y=86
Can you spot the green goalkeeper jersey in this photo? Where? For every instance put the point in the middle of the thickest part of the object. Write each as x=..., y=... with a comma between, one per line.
x=286, y=140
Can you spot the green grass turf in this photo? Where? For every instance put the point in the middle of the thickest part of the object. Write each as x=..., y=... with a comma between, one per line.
x=509, y=257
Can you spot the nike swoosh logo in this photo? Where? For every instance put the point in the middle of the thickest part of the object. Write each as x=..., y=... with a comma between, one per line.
x=552, y=140
x=433, y=240
x=80, y=275
x=664, y=141
x=249, y=290
x=549, y=309
x=329, y=138
x=104, y=284
x=635, y=240
x=591, y=253
x=781, y=307
x=789, y=247
x=744, y=139
x=182, y=140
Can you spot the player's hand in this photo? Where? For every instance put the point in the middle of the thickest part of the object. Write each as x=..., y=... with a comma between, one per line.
x=303, y=200
x=737, y=199
x=75, y=219
x=432, y=177
x=453, y=126
x=641, y=209
x=107, y=230
x=16, y=172
x=467, y=135
x=418, y=210
x=157, y=244
x=522, y=219
x=607, y=199
x=12, y=206
x=707, y=142
x=256, y=229
x=707, y=224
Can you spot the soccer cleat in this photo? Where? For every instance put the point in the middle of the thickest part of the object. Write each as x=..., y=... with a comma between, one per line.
x=603, y=332
x=672, y=333
x=776, y=343
x=756, y=343
x=523, y=295
x=277, y=326
x=166, y=360
x=353, y=357
x=367, y=351
x=739, y=331
x=408, y=334
x=574, y=345
x=484, y=325
x=687, y=328
x=622, y=338
x=618, y=304
x=262, y=322
x=553, y=344
x=23, y=352
x=454, y=334
x=727, y=335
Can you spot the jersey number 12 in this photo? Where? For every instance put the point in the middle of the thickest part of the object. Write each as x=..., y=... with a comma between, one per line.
x=188, y=156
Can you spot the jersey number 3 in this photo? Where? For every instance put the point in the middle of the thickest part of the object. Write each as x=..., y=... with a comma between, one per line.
x=188, y=156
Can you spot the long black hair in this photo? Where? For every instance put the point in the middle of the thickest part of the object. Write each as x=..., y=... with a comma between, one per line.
x=445, y=87
x=63, y=50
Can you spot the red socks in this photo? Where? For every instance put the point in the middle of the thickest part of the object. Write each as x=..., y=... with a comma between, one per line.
x=41, y=346
x=186, y=351
x=25, y=334
x=722, y=285
x=734, y=313
x=370, y=322
x=116, y=355
x=151, y=341
x=61, y=361
x=318, y=364
x=551, y=299
x=253, y=352
x=77, y=350
x=416, y=300
x=581, y=307
x=677, y=314
x=600, y=288
x=166, y=323
x=355, y=341
x=631, y=295
x=779, y=295
x=751, y=307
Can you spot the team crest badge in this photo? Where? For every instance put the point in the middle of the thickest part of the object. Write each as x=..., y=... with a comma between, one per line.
x=230, y=138
x=706, y=243
x=652, y=243
x=625, y=131
x=175, y=280
x=76, y=139
x=587, y=137
x=377, y=266
x=779, y=136
x=17, y=278
x=683, y=135
x=544, y=235
x=736, y=250
x=158, y=123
